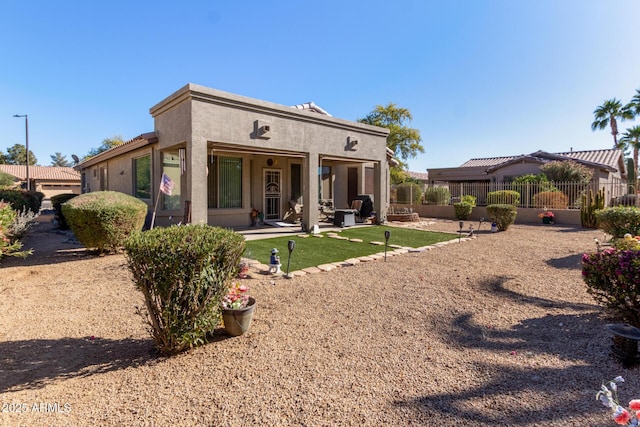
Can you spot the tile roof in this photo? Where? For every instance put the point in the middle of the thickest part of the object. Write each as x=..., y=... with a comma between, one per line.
x=424, y=176
x=41, y=173
x=608, y=157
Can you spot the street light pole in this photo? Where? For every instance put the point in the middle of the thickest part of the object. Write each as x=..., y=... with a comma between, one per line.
x=26, y=130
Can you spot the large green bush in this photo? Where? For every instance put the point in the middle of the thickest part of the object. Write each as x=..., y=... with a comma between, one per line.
x=619, y=220
x=183, y=272
x=462, y=209
x=104, y=219
x=612, y=277
x=21, y=200
x=503, y=197
x=56, y=204
x=437, y=196
x=503, y=215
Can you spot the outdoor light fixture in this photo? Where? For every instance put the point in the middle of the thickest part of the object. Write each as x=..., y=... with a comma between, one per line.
x=291, y=245
x=26, y=127
x=461, y=224
x=387, y=234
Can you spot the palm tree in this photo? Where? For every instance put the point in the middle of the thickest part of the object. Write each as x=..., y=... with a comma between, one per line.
x=608, y=114
x=631, y=138
x=634, y=104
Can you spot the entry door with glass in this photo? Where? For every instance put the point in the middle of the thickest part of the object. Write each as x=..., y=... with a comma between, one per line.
x=272, y=193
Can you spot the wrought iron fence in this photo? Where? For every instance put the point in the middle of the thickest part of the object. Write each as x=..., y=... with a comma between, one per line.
x=553, y=195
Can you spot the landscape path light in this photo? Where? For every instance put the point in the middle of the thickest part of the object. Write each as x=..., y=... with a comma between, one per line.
x=26, y=146
x=291, y=245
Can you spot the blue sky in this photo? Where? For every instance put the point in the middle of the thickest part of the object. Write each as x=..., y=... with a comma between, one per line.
x=481, y=78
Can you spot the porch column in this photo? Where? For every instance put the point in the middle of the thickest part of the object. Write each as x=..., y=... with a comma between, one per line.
x=197, y=180
x=310, y=190
x=380, y=194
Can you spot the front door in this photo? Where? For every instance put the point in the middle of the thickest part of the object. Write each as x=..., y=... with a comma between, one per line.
x=272, y=193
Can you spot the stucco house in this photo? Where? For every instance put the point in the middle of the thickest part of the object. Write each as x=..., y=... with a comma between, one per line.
x=49, y=180
x=607, y=165
x=228, y=154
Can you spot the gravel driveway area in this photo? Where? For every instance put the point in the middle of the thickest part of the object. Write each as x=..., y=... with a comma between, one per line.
x=493, y=331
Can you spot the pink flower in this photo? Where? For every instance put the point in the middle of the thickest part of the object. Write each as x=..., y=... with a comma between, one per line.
x=634, y=405
x=242, y=288
x=621, y=416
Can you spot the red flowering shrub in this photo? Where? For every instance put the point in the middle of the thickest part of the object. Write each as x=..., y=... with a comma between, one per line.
x=612, y=277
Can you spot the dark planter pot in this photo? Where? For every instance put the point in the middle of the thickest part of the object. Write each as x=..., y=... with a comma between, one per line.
x=237, y=322
x=546, y=220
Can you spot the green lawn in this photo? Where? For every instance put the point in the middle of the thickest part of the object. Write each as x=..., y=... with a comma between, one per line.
x=314, y=251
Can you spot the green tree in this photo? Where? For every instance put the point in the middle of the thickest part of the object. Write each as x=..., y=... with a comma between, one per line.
x=3, y=159
x=567, y=171
x=107, y=144
x=16, y=155
x=608, y=114
x=631, y=139
x=402, y=140
x=59, y=160
x=6, y=180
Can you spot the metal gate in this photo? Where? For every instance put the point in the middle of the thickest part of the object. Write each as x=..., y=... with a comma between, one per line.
x=272, y=193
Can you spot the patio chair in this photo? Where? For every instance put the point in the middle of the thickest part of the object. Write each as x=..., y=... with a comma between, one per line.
x=294, y=213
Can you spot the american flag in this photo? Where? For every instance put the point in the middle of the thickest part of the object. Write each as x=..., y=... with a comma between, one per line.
x=166, y=185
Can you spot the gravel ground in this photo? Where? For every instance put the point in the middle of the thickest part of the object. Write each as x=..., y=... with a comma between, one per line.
x=494, y=331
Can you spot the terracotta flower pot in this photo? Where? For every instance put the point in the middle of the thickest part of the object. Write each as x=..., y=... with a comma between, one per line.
x=237, y=321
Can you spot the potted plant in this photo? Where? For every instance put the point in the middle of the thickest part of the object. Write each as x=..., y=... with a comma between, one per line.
x=237, y=310
x=547, y=217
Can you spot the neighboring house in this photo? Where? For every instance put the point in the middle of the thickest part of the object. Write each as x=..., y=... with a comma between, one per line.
x=227, y=154
x=422, y=177
x=607, y=165
x=49, y=180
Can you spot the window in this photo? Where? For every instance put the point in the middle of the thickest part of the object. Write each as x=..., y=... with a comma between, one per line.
x=296, y=182
x=324, y=183
x=171, y=167
x=225, y=182
x=142, y=177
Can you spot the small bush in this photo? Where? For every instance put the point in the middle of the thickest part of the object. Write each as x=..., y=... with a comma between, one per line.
x=619, y=221
x=550, y=200
x=183, y=272
x=503, y=215
x=9, y=244
x=468, y=198
x=462, y=209
x=612, y=277
x=56, y=204
x=503, y=197
x=437, y=196
x=21, y=223
x=104, y=219
x=409, y=193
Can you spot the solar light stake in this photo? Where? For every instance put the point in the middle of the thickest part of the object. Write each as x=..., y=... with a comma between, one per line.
x=291, y=245
x=387, y=234
x=461, y=223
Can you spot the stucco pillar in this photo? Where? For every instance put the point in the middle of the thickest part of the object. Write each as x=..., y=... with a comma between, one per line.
x=197, y=180
x=380, y=194
x=310, y=190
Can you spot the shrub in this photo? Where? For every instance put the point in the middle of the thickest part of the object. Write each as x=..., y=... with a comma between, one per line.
x=619, y=220
x=21, y=223
x=437, y=196
x=104, y=219
x=612, y=277
x=183, y=272
x=551, y=200
x=9, y=244
x=503, y=215
x=409, y=193
x=462, y=209
x=503, y=197
x=468, y=198
x=21, y=199
x=567, y=171
x=56, y=204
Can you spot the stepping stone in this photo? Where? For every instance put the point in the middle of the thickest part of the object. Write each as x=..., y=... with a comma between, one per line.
x=298, y=273
x=351, y=240
x=365, y=259
x=400, y=251
x=327, y=267
x=332, y=234
x=337, y=264
x=376, y=256
x=303, y=236
x=415, y=250
x=377, y=243
x=311, y=270
x=395, y=246
x=314, y=235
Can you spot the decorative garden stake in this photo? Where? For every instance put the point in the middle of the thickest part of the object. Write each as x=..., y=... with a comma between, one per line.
x=461, y=224
x=387, y=234
x=291, y=245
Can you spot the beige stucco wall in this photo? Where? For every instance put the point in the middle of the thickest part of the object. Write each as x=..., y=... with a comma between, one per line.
x=223, y=122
